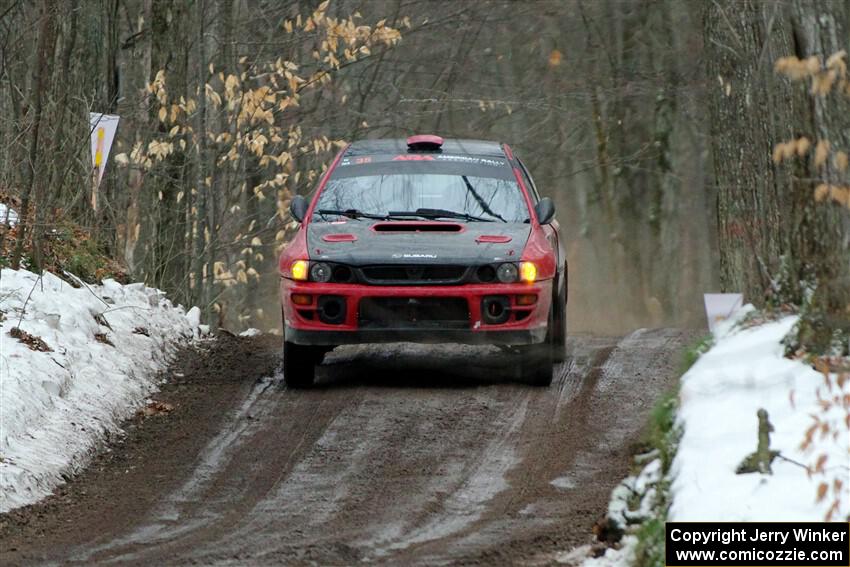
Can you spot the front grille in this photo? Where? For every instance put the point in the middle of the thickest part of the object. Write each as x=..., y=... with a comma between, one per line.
x=418, y=312
x=414, y=274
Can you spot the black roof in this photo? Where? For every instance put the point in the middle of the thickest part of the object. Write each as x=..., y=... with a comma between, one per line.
x=450, y=146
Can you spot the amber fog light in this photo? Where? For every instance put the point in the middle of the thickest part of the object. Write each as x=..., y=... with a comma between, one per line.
x=301, y=299
x=529, y=299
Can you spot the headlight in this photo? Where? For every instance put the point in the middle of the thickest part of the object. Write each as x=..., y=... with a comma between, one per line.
x=299, y=270
x=320, y=272
x=507, y=273
x=527, y=272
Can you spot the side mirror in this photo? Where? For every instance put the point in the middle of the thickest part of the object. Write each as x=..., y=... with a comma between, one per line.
x=545, y=210
x=298, y=208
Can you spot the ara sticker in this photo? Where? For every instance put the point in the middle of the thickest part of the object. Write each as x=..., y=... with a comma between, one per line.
x=413, y=157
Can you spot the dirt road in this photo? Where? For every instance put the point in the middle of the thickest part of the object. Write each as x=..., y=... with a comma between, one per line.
x=404, y=455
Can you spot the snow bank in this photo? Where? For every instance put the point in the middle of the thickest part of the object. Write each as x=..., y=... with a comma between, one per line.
x=619, y=557
x=720, y=395
x=55, y=406
x=640, y=487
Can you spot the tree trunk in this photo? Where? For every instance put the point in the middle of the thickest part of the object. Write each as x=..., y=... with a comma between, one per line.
x=773, y=236
x=136, y=176
x=204, y=251
x=32, y=192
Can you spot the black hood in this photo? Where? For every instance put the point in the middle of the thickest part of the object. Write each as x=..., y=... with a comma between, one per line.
x=379, y=242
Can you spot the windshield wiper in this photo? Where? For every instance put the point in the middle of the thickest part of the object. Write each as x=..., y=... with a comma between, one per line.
x=352, y=213
x=438, y=213
x=481, y=202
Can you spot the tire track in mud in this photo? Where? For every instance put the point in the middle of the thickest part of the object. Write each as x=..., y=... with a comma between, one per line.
x=283, y=430
x=548, y=437
x=566, y=476
x=404, y=454
x=167, y=521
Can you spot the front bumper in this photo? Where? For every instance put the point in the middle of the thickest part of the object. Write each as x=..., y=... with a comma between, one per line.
x=413, y=335
x=525, y=324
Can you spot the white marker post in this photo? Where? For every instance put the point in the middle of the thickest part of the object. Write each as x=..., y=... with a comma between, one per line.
x=721, y=306
x=103, y=128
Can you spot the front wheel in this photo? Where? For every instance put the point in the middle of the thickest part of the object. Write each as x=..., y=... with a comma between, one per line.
x=536, y=364
x=536, y=360
x=557, y=333
x=299, y=365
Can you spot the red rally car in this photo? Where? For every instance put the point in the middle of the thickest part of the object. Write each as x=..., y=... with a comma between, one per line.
x=424, y=240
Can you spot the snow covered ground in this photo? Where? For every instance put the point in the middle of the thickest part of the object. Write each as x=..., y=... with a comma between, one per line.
x=743, y=372
x=640, y=487
x=720, y=395
x=57, y=404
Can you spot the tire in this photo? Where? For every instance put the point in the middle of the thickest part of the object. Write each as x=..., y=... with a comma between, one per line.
x=536, y=364
x=537, y=361
x=558, y=333
x=299, y=365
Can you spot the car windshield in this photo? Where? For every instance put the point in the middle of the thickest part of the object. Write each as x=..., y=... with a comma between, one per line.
x=475, y=198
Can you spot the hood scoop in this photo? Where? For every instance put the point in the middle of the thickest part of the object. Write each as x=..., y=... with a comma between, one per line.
x=339, y=237
x=493, y=239
x=415, y=226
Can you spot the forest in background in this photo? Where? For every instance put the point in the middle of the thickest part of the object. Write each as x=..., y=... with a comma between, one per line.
x=652, y=123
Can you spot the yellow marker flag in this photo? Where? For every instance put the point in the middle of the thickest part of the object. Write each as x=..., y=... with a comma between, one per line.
x=103, y=128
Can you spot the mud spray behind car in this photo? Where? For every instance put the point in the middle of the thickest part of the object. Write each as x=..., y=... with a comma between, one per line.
x=424, y=240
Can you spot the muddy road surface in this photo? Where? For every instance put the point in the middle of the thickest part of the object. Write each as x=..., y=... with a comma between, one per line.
x=403, y=454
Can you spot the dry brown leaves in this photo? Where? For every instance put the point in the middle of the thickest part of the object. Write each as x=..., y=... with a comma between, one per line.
x=101, y=320
x=155, y=407
x=33, y=342
x=829, y=425
x=102, y=338
x=839, y=194
x=825, y=78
